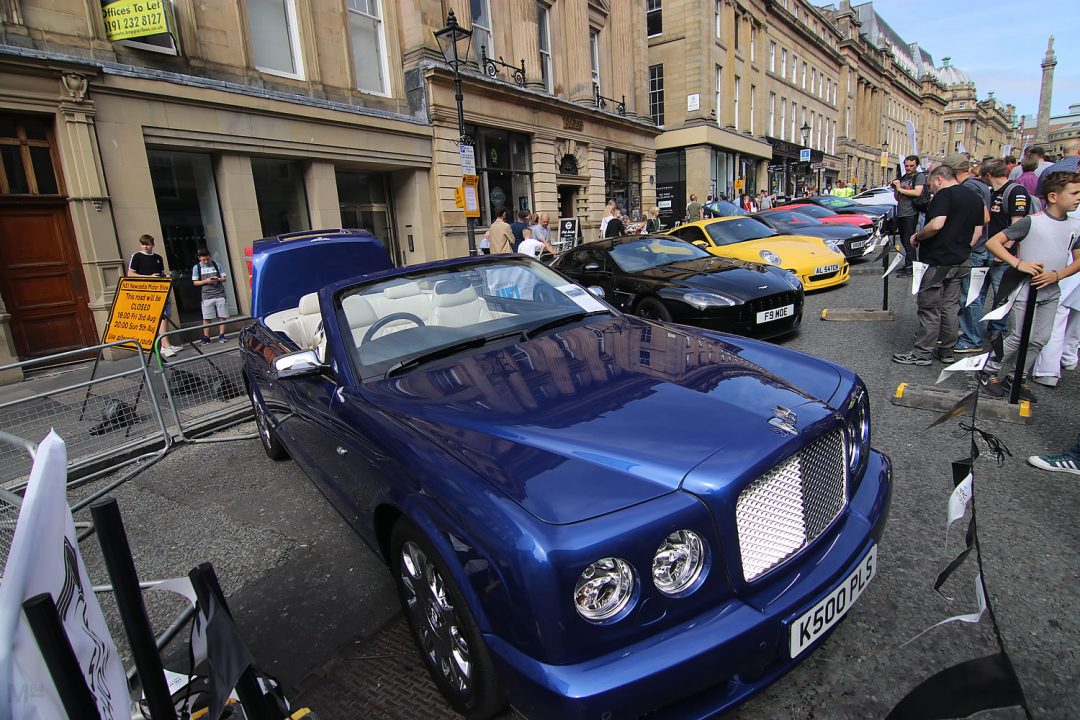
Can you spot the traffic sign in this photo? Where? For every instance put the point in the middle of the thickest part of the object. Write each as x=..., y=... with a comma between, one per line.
x=804, y=155
x=817, y=166
x=468, y=159
x=136, y=310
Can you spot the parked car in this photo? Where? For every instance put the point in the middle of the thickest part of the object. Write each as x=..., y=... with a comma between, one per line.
x=816, y=264
x=876, y=196
x=854, y=242
x=663, y=278
x=586, y=514
x=829, y=217
x=843, y=206
x=721, y=208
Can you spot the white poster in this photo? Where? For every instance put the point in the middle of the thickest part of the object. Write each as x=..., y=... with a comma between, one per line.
x=1001, y=312
x=918, y=269
x=44, y=558
x=973, y=363
x=975, y=284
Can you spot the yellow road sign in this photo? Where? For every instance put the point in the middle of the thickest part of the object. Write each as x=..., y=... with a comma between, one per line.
x=136, y=310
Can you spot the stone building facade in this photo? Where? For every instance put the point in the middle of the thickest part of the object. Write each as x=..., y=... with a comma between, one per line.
x=237, y=119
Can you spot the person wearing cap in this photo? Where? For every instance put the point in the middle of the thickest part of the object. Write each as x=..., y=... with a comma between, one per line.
x=971, y=334
x=954, y=223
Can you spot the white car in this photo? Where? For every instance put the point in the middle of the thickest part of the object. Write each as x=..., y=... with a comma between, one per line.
x=876, y=196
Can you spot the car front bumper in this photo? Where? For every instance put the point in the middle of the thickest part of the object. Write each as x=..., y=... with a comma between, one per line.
x=713, y=661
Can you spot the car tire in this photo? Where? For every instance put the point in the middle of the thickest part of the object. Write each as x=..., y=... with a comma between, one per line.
x=270, y=442
x=653, y=309
x=442, y=626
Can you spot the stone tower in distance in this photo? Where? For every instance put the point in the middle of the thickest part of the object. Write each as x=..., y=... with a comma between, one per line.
x=1042, y=132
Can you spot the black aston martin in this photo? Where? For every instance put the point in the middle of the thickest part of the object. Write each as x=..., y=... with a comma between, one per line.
x=851, y=240
x=663, y=278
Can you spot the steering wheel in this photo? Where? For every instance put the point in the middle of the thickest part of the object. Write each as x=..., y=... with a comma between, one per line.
x=383, y=322
x=546, y=295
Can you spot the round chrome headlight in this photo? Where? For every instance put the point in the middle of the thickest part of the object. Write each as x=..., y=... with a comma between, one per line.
x=603, y=589
x=679, y=563
x=792, y=279
x=858, y=429
x=770, y=257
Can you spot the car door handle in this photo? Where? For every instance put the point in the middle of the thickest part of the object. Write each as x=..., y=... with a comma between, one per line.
x=341, y=450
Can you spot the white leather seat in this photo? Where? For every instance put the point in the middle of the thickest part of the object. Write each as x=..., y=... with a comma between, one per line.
x=457, y=305
x=301, y=328
x=360, y=315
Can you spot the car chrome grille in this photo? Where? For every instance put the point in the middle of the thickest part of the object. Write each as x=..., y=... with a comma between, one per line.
x=785, y=509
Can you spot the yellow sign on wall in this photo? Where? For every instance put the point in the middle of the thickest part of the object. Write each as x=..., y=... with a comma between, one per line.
x=739, y=184
x=127, y=19
x=136, y=310
x=470, y=196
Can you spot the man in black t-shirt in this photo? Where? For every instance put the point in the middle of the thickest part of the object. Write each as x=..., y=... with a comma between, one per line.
x=147, y=263
x=908, y=188
x=954, y=222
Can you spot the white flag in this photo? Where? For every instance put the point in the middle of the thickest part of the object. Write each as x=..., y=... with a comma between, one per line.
x=958, y=503
x=1001, y=312
x=980, y=598
x=918, y=269
x=969, y=364
x=44, y=558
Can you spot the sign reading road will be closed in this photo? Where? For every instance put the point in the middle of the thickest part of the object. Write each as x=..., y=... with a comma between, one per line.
x=136, y=310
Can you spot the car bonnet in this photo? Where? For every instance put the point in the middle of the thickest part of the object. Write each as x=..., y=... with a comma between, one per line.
x=585, y=421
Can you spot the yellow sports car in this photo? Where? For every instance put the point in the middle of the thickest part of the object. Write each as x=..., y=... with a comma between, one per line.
x=817, y=265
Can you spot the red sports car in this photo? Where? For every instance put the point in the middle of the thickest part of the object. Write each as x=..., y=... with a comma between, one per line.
x=829, y=217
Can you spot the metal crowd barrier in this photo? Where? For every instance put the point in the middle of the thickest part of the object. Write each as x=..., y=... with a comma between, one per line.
x=107, y=422
x=204, y=384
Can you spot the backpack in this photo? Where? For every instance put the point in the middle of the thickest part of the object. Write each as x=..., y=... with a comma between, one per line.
x=923, y=201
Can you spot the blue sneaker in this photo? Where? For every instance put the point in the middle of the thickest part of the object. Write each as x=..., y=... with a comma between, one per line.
x=967, y=349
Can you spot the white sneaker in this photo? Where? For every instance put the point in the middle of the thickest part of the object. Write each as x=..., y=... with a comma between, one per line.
x=169, y=351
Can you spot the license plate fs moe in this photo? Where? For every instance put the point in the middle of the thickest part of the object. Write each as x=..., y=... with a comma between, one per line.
x=775, y=314
x=823, y=269
x=816, y=621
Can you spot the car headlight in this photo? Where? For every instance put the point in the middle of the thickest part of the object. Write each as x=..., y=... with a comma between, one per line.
x=857, y=431
x=603, y=589
x=679, y=563
x=703, y=300
x=770, y=257
x=833, y=244
x=792, y=280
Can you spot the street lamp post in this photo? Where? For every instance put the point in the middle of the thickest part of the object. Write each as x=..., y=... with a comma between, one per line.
x=805, y=130
x=455, y=42
x=884, y=162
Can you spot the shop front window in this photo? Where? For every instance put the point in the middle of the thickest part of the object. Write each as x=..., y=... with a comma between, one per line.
x=503, y=162
x=190, y=218
x=365, y=205
x=622, y=181
x=279, y=187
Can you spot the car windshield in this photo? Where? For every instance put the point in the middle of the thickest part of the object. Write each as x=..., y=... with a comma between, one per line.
x=728, y=232
x=815, y=212
x=650, y=252
x=398, y=323
x=835, y=202
x=791, y=220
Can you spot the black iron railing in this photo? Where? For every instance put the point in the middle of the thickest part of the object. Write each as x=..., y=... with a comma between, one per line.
x=493, y=68
x=602, y=102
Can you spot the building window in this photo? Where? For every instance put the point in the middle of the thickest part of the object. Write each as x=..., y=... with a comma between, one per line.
x=804, y=76
x=753, y=106
x=963, y=105
x=274, y=37
x=27, y=162
x=794, y=111
x=813, y=79
x=959, y=127
x=717, y=99
x=654, y=21
x=279, y=188
x=737, y=31
x=772, y=56
x=772, y=115
x=483, y=40
x=783, y=117
x=594, y=57
x=718, y=12
x=622, y=180
x=738, y=83
x=957, y=147
x=656, y=94
x=544, y=30
x=794, y=68
x=504, y=164
x=368, y=46
x=783, y=62
x=753, y=43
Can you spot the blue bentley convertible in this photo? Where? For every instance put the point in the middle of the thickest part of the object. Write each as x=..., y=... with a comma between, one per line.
x=587, y=514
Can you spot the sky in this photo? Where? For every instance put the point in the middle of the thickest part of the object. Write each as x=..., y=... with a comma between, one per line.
x=999, y=44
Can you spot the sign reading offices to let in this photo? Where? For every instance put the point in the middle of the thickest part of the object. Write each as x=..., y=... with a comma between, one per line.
x=127, y=19
x=136, y=310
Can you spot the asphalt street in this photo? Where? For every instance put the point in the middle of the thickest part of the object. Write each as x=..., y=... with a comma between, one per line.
x=319, y=611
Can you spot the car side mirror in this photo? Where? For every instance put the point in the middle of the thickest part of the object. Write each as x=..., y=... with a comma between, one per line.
x=700, y=243
x=597, y=291
x=297, y=364
x=591, y=267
